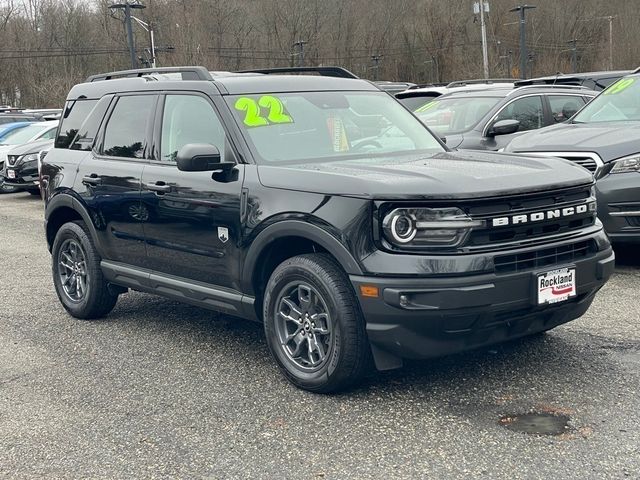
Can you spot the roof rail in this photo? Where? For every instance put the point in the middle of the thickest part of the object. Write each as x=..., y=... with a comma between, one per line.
x=555, y=86
x=188, y=73
x=637, y=70
x=462, y=83
x=323, y=71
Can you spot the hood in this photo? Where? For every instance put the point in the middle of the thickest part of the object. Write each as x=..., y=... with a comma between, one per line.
x=28, y=148
x=610, y=140
x=441, y=175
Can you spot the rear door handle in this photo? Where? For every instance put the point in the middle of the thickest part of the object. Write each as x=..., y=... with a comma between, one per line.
x=158, y=187
x=92, y=179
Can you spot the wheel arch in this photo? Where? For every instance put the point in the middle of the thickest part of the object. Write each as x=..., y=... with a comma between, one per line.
x=284, y=240
x=64, y=208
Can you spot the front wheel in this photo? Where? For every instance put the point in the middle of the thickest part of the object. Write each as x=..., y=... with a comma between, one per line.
x=77, y=277
x=314, y=326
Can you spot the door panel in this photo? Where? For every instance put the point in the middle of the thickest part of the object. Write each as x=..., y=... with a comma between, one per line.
x=110, y=185
x=193, y=227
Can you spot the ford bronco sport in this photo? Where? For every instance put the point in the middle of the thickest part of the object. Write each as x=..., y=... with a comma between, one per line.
x=319, y=206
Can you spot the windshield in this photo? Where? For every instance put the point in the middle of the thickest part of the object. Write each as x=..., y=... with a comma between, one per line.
x=447, y=116
x=619, y=102
x=305, y=126
x=23, y=135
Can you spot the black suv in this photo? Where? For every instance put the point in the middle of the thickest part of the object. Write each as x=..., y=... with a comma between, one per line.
x=319, y=206
x=489, y=118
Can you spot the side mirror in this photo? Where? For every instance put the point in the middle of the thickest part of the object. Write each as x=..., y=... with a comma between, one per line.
x=201, y=157
x=503, y=127
x=443, y=140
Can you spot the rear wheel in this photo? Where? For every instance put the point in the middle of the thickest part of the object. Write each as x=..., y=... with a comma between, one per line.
x=77, y=277
x=314, y=326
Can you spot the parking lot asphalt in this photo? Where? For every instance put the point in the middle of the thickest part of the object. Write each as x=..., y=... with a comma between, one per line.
x=164, y=390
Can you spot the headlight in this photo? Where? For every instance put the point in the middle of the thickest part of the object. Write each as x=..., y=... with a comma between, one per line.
x=428, y=227
x=24, y=159
x=627, y=164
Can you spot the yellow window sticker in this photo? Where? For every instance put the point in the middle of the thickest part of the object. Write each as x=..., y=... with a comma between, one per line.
x=267, y=110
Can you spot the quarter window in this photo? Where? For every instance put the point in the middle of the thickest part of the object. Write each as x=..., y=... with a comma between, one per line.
x=189, y=119
x=74, y=114
x=126, y=130
x=527, y=110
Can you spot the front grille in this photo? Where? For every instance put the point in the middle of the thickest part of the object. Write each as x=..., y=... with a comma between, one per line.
x=524, y=205
x=587, y=162
x=544, y=257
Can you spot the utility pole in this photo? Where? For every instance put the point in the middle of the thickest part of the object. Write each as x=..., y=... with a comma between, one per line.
x=376, y=64
x=574, y=54
x=127, y=7
x=481, y=8
x=300, y=44
x=521, y=9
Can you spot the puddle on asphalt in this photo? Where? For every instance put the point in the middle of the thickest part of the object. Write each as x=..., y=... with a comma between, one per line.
x=537, y=423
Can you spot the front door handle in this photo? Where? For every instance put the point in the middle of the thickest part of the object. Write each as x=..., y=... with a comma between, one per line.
x=92, y=179
x=159, y=187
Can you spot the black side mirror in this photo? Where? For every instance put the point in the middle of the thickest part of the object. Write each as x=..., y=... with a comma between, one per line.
x=201, y=157
x=504, y=127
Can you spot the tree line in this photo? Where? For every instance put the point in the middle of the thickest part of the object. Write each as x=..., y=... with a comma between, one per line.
x=46, y=46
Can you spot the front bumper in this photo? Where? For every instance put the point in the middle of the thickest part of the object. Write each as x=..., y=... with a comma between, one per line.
x=619, y=206
x=452, y=314
x=26, y=178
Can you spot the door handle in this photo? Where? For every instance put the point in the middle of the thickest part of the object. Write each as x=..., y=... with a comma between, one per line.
x=92, y=179
x=158, y=187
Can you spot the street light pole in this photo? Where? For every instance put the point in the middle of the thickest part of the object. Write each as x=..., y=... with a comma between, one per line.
x=574, y=54
x=610, y=18
x=483, y=28
x=521, y=9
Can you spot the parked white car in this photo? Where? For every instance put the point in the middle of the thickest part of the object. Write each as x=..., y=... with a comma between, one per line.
x=32, y=133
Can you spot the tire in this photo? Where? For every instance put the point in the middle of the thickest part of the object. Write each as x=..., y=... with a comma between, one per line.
x=297, y=293
x=90, y=297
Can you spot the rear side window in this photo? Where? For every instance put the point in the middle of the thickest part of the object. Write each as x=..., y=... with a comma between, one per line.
x=126, y=130
x=86, y=135
x=563, y=107
x=74, y=115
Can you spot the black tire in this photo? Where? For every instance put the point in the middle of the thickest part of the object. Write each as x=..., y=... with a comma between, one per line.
x=94, y=299
x=316, y=278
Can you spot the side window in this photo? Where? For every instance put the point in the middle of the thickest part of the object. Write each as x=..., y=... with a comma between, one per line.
x=50, y=135
x=89, y=129
x=74, y=113
x=527, y=110
x=189, y=119
x=126, y=130
x=563, y=107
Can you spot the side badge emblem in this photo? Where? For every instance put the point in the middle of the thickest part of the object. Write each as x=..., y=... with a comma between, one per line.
x=223, y=234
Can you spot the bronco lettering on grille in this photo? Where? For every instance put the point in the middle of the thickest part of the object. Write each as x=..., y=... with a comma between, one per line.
x=543, y=215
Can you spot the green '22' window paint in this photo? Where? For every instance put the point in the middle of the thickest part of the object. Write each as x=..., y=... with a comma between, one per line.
x=267, y=110
x=619, y=86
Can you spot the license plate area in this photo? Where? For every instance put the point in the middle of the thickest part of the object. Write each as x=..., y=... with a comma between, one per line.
x=556, y=285
x=11, y=174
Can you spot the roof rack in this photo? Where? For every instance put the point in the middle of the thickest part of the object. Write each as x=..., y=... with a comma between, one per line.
x=323, y=71
x=462, y=83
x=556, y=86
x=188, y=73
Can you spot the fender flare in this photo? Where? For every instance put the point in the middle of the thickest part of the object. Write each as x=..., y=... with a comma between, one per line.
x=64, y=200
x=296, y=228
